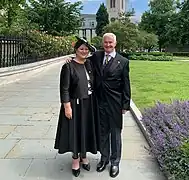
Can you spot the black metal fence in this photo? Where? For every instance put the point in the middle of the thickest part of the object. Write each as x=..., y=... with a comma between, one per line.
x=13, y=51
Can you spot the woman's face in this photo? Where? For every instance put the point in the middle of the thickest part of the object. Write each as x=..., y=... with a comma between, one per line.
x=82, y=52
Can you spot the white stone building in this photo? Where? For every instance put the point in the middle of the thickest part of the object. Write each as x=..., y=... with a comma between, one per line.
x=88, y=26
x=114, y=7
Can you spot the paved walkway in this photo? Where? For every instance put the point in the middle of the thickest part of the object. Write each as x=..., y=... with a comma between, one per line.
x=28, y=117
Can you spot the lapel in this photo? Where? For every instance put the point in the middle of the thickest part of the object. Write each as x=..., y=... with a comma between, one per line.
x=88, y=68
x=114, y=62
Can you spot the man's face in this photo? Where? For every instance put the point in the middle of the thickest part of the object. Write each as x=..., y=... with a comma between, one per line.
x=109, y=44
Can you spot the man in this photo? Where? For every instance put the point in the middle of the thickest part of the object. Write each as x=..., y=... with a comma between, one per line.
x=112, y=88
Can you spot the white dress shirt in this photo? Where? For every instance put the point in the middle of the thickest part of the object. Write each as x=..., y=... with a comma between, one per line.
x=88, y=79
x=111, y=55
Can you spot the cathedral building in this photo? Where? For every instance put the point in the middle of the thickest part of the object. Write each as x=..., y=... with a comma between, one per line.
x=114, y=7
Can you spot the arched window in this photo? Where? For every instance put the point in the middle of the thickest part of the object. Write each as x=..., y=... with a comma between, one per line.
x=112, y=3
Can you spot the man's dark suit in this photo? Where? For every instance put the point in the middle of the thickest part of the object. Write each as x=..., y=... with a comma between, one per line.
x=112, y=88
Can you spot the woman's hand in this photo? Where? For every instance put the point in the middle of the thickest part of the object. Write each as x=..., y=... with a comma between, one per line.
x=68, y=110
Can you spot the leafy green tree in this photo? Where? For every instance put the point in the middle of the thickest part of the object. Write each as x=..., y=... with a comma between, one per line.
x=55, y=17
x=102, y=19
x=146, y=40
x=126, y=32
x=183, y=23
x=10, y=10
x=97, y=42
x=157, y=17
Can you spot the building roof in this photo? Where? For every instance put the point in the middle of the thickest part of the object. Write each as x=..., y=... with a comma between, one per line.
x=88, y=15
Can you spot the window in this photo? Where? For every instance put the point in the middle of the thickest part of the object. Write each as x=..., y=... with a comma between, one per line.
x=92, y=24
x=112, y=3
x=122, y=4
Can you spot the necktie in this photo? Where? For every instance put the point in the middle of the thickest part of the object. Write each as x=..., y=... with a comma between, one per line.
x=107, y=57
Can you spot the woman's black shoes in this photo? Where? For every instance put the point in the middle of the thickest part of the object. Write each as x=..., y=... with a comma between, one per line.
x=76, y=172
x=87, y=167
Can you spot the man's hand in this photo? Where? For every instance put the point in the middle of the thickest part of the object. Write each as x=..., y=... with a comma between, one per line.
x=68, y=60
x=124, y=111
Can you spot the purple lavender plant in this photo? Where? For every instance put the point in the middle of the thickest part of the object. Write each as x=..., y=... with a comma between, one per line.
x=168, y=127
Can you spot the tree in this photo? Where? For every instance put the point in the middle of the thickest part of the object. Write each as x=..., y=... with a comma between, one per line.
x=102, y=19
x=173, y=30
x=10, y=10
x=97, y=42
x=147, y=40
x=126, y=32
x=156, y=19
x=55, y=17
x=183, y=23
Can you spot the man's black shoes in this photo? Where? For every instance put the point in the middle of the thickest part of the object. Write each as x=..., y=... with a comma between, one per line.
x=114, y=171
x=101, y=166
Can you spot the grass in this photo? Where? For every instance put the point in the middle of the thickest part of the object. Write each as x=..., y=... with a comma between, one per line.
x=153, y=81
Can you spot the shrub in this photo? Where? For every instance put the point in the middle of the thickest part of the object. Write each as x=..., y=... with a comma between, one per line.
x=168, y=128
x=151, y=58
x=43, y=45
x=181, y=54
x=128, y=54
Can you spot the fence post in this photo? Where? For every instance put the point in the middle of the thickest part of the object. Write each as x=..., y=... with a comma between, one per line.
x=1, y=61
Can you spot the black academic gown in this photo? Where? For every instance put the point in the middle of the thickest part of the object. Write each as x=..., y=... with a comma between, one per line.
x=79, y=134
x=112, y=85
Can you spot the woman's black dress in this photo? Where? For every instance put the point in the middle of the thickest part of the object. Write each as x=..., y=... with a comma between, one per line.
x=81, y=133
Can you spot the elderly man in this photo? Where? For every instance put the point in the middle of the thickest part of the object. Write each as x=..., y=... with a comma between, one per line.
x=112, y=88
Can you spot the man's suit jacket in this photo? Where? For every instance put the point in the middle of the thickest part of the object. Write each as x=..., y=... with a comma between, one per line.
x=112, y=85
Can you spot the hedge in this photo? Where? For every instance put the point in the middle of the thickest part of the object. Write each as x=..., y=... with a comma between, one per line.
x=181, y=54
x=151, y=58
x=128, y=54
x=43, y=45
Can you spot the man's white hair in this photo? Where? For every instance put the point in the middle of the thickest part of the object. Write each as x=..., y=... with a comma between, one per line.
x=110, y=35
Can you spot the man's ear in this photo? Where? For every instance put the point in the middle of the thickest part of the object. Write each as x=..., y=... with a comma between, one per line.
x=115, y=43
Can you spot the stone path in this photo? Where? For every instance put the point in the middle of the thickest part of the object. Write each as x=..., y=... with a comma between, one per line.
x=28, y=117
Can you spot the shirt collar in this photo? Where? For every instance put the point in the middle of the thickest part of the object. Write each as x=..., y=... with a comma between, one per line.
x=112, y=54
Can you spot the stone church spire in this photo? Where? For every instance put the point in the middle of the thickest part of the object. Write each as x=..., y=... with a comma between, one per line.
x=115, y=7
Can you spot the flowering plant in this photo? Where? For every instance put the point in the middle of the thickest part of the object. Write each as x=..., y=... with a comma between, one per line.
x=168, y=128
x=43, y=45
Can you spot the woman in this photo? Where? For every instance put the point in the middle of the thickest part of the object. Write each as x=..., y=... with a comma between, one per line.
x=77, y=128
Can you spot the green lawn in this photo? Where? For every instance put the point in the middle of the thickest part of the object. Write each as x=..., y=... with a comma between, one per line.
x=158, y=81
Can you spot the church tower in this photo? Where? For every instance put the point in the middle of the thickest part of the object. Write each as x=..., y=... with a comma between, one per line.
x=115, y=7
